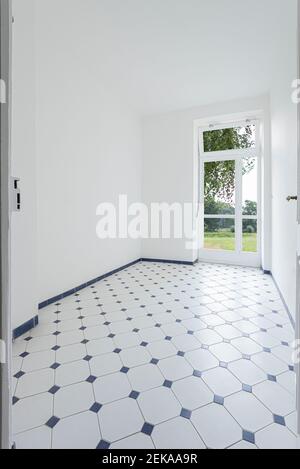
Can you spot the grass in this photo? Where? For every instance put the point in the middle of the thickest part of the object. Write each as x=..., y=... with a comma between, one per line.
x=225, y=240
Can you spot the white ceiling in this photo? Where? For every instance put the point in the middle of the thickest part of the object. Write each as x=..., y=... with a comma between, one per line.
x=162, y=55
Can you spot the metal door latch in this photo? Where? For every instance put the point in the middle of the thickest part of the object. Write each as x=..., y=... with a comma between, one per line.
x=16, y=195
x=292, y=197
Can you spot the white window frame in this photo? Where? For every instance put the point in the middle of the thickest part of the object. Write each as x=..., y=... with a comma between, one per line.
x=238, y=257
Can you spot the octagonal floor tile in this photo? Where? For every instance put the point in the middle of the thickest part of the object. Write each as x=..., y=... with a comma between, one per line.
x=178, y=433
x=192, y=393
x=135, y=356
x=137, y=441
x=275, y=398
x=175, y=368
x=105, y=364
x=77, y=432
x=36, y=382
x=216, y=427
x=32, y=412
x=276, y=437
x=73, y=399
x=120, y=420
x=111, y=388
x=202, y=360
x=247, y=372
x=72, y=373
x=159, y=405
x=38, y=438
x=221, y=382
x=146, y=377
x=248, y=411
x=225, y=353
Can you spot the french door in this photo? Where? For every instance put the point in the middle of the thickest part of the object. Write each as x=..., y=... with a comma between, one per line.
x=230, y=229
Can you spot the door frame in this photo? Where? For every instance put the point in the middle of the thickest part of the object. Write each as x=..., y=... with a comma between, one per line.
x=5, y=322
x=298, y=238
x=237, y=257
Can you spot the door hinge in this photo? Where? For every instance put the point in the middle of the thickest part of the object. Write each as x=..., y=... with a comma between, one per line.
x=15, y=195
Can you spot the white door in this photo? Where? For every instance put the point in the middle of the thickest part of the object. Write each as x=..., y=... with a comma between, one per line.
x=5, y=326
x=230, y=161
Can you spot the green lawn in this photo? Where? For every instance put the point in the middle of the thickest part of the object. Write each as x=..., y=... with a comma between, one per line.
x=226, y=241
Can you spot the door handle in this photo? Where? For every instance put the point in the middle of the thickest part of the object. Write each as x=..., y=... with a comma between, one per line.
x=292, y=197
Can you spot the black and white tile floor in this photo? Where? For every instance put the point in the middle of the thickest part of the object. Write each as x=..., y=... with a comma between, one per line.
x=160, y=356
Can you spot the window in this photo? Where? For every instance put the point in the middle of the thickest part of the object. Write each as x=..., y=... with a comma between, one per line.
x=230, y=167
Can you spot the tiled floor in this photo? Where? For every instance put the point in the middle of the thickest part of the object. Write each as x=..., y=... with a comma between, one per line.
x=160, y=356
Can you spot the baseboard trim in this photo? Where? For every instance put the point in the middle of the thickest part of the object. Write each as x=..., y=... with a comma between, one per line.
x=284, y=302
x=27, y=326
x=57, y=298
x=166, y=261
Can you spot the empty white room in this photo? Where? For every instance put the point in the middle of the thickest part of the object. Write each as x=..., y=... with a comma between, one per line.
x=150, y=221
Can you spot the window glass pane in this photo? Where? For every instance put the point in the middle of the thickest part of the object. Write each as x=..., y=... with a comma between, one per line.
x=250, y=186
x=250, y=235
x=234, y=138
x=219, y=188
x=219, y=234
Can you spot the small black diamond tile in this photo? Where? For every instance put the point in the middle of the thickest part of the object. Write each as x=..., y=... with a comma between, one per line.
x=279, y=420
x=197, y=374
x=147, y=429
x=291, y=368
x=56, y=333
x=249, y=437
x=111, y=336
x=144, y=344
x=85, y=341
x=267, y=350
x=82, y=328
x=24, y=355
x=88, y=358
x=134, y=395
x=117, y=350
x=103, y=445
x=52, y=422
x=96, y=407
x=19, y=374
x=168, y=384
x=91, y=379
x=55, y=348
x=55, y=366
x=219, y=400
x=107, y=323
x=124, y=370
x=186, y=414
x=54, y=390
x=190, y=332
x=181, y=354
x=154, y=361
x=272, y=378
x=223, y=365
x=15, y=400
x=168, y=338
x=247, y=388
x=28, y=339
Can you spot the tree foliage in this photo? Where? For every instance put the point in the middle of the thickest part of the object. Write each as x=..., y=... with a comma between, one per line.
x=220, y=175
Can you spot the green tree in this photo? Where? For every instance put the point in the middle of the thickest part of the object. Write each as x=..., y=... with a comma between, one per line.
x=220, y=175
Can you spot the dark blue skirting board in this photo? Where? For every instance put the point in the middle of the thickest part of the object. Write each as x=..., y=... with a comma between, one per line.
x=27, y=326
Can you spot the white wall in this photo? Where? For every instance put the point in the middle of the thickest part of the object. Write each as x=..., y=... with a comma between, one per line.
x=23, y=229
x=284, y=151
x=169, y=167
x=88, y=147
